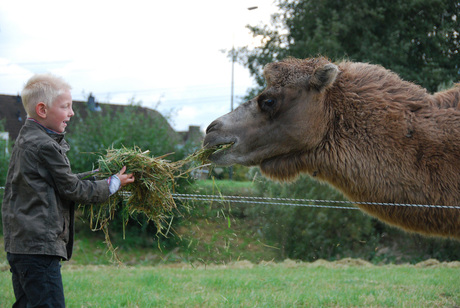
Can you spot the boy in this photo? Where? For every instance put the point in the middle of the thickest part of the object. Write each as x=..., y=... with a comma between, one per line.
x=40, y=193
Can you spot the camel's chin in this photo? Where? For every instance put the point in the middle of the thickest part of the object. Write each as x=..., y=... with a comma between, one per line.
x=230, y=157
x=220, y=159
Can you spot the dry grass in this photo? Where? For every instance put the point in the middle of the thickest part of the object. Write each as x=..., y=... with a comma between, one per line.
x=151, y=192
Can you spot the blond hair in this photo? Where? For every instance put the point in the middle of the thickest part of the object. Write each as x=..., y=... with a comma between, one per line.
x=42, y=88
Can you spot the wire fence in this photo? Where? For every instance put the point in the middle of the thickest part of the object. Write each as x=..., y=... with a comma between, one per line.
x=260, y=200
x=313, y=203
x=333, y=204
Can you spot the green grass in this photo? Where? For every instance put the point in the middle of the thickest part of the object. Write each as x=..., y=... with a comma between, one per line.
x=225, y=187
x=242, y=284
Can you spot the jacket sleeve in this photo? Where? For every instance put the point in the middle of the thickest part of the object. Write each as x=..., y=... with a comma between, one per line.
x=56, y=171
x=89, y=175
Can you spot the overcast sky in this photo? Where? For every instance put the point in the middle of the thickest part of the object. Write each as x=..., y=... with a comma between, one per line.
x=167, y=54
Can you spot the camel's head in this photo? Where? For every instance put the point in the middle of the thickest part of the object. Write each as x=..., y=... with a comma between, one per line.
x=288, y=117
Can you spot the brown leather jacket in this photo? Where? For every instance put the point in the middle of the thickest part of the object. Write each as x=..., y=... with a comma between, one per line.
x=40, y=194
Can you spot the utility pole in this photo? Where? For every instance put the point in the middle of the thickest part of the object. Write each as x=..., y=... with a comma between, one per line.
x=230, y=169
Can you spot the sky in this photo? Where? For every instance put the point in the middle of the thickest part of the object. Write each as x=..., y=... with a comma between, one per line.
x=168, y=55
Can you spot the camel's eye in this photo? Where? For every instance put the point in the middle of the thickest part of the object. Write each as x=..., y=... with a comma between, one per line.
x=267, y=104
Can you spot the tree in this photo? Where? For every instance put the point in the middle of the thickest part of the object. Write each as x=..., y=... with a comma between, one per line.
x=128, y=126
x=418, y=39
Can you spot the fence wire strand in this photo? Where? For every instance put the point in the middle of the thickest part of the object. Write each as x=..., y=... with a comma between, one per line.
x=342, y=205
x=182, y=197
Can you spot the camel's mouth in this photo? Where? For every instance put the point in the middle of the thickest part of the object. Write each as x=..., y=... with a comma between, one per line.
x=218, y=150
x=213, y=141
x=221, y=147
x=218, y=153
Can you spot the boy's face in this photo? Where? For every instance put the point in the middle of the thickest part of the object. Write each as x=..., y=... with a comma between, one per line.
x=59, y=113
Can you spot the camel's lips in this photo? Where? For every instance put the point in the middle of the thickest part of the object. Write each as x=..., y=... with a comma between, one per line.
x=220, y=145
x=220, y=149
x=213, y=141
x=218, y=152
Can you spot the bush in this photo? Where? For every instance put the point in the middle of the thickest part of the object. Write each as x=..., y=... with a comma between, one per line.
x=309, y=233
x=5, y=150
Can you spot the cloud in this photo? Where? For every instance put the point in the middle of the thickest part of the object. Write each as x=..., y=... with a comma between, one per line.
x=150, y=50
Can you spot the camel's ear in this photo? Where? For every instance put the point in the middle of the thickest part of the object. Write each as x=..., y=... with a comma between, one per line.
x=323, y=77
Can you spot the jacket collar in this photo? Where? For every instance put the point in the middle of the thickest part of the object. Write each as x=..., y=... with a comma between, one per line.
x=53, y=134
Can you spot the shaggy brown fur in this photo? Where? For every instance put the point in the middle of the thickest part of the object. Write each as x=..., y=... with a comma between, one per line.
x=360, y=128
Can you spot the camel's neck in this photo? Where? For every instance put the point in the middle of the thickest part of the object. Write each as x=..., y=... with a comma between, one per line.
x=353, y=168
x=364, y=149
x=386, y=149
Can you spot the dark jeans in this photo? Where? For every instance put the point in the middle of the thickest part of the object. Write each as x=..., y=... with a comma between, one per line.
x=37, y=280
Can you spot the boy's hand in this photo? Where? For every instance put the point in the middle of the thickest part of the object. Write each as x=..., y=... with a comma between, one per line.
x=125, y=178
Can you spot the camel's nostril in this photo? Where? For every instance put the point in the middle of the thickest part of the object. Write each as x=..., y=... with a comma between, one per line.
x=214, y=125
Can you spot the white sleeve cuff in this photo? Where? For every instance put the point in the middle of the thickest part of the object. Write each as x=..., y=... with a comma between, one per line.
x=114, y=184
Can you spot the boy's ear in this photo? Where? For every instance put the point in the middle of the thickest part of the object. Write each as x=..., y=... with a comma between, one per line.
x=40, y=110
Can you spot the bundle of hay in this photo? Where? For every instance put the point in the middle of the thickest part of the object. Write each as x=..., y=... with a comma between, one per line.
x=151, y=192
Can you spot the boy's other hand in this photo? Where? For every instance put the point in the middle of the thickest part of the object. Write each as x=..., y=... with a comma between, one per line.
x=125, y=178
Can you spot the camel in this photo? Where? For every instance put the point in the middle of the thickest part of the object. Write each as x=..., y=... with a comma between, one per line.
x=358, y=127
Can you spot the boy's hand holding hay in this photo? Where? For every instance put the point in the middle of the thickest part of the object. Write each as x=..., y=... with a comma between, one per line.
x=124, y=178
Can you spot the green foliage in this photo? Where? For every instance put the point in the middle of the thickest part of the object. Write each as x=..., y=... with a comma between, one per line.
x=128, y=126
x=5, y=150
x=418, y=39
x=235, y=173
x=308, y=233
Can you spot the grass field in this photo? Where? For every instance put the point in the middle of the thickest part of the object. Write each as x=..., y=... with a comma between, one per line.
x=168, y=279
x=345, y=283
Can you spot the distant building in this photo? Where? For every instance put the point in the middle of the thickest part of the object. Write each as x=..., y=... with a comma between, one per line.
x=92, y=104
x=193, y=135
